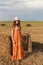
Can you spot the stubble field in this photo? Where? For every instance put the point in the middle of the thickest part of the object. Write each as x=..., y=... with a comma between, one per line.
x=35, y=30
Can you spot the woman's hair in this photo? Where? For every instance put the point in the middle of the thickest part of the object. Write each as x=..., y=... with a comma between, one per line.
x=14, y=24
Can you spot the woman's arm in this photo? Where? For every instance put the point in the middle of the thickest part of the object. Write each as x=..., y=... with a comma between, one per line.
x=12, y=35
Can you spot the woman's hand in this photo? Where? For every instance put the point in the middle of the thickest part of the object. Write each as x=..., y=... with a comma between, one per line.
x=13, y=42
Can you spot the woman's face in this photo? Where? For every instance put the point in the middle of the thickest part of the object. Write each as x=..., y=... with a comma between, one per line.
x=16, y=22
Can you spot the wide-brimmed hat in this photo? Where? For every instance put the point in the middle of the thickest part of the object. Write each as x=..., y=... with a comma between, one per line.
x=16, y=18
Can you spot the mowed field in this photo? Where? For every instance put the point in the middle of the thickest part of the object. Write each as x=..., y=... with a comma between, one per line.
x=35, y=30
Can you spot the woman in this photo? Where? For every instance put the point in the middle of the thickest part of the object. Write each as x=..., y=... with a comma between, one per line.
x=18, y=51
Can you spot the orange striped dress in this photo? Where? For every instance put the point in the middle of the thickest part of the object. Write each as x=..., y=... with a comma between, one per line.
x=18, y=51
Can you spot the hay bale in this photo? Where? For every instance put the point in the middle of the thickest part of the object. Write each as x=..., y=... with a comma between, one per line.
x=27, y=43
x=28, y=24
x=4, y=45
x=3, y=24
x=24, y=42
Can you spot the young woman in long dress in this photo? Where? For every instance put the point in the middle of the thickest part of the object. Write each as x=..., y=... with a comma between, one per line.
x=18, y=51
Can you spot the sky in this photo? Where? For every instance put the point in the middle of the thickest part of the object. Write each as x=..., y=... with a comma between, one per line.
x=24, y=9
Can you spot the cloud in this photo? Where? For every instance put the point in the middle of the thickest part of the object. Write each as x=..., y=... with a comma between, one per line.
x=21, y=4
x=16, y=4
x=34, y=3
x=25, y=9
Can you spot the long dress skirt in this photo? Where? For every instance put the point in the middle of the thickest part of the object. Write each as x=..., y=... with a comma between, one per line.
x=18, y=51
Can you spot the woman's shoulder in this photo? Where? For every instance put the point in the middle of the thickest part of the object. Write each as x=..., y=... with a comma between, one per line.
x=17, y=28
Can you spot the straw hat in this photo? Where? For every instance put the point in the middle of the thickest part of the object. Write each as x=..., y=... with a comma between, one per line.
x=16, y=18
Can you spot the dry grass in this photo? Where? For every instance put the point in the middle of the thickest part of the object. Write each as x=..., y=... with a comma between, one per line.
x=36, y=32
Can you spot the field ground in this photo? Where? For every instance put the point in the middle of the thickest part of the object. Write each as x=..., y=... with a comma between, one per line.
x=36, y=33
x=35, y=30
